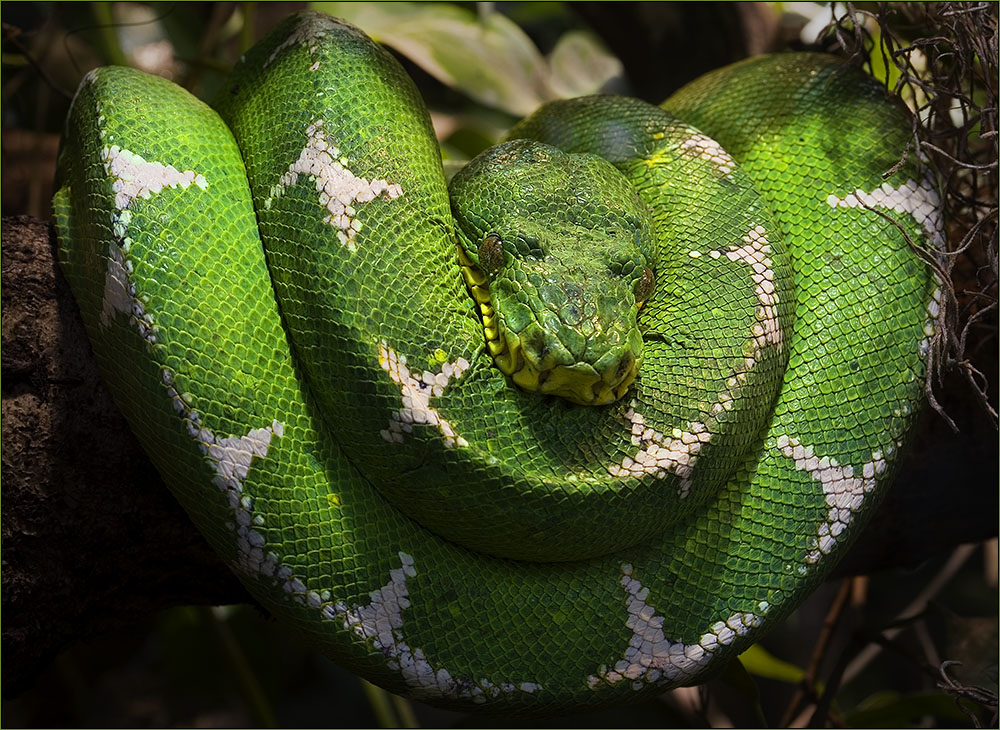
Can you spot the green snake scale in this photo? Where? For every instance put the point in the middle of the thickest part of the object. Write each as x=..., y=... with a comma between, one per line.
x=312, y=371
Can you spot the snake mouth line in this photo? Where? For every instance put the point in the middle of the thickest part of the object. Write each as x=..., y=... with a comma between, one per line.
x=580, y=383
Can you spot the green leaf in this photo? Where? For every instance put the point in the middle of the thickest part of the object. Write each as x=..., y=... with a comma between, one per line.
x=760, y=662
x=581, y=65
x=888, y=709
x=485, y=56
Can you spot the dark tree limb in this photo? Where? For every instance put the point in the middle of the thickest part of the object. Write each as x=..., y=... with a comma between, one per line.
x=92, y=540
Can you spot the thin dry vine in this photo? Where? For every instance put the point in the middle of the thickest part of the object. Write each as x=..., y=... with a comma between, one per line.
x=941, y=59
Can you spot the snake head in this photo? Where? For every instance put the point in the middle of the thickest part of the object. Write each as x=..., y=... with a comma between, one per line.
x=555, y=249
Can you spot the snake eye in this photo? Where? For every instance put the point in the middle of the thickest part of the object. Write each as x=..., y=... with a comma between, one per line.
x=491, y=253
x=644, y=286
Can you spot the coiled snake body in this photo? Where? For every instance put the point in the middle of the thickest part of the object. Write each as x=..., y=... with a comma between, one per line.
x=356, y=435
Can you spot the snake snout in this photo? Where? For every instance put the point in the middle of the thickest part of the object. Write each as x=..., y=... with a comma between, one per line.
x=542, y=364
x=618, y=368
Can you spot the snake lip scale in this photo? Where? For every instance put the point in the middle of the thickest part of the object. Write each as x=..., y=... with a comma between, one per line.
x=272, y=289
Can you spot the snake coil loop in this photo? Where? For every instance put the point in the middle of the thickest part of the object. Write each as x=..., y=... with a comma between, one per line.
x=280, y=314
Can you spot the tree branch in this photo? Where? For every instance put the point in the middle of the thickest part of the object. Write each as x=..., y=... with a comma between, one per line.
x=92, y=540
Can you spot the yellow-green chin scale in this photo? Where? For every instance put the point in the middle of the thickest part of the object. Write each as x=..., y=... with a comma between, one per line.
x=558, y=276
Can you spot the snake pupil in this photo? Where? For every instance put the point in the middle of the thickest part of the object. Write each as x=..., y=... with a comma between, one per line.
x=644, y=287
x=491, y=253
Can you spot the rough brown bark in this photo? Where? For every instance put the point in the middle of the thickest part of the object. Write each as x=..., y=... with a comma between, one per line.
x=93, y=541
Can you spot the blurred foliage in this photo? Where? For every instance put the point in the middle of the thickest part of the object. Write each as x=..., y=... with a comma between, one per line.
x=480, y=66
x=485, y=54
x=762, y=663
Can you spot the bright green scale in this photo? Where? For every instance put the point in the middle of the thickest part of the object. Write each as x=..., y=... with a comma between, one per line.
x=369, y=471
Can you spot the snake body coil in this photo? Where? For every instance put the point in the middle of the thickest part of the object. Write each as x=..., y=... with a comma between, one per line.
x=285, y=319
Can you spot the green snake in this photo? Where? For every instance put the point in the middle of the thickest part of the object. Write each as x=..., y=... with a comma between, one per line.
x=576, y=430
